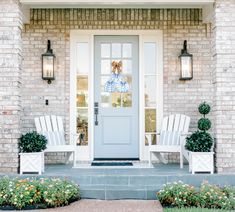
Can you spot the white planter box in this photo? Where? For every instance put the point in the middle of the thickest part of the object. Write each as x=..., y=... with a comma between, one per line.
x=32, y=162
x=201, y=162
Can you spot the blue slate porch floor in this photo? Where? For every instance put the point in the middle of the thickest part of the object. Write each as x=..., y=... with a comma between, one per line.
x=131, y=183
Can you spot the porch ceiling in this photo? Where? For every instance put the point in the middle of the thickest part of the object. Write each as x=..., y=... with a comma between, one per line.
x=206, y=5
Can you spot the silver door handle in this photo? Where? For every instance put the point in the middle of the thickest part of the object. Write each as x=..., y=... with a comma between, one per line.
x=96, y=116
x=96, y=112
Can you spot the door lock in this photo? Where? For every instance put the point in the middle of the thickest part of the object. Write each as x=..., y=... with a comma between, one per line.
x=96, y=112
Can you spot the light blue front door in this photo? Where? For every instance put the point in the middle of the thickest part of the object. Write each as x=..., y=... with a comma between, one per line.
x=116, y=97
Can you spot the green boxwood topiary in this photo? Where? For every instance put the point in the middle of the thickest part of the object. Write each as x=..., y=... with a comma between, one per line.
x=204, y=124
x=32, y=142
x=201, y=141
x=204, y=108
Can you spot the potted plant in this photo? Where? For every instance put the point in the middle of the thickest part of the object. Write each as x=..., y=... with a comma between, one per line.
x=31, y=147
x=200, y=143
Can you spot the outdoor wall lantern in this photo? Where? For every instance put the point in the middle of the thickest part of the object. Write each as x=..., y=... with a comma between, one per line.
x=186, y=64
x=48, y=59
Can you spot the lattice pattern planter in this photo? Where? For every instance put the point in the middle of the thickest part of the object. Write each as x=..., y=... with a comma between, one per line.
x=32, y=162
x=201, y=162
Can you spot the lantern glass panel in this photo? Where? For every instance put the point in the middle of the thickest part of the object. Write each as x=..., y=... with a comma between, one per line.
x=186, y=67
x=48, y=66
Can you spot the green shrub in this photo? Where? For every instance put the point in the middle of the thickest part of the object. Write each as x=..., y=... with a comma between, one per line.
x=211, y=196
x=44, y=192
x=5, y=189
x=204, y=108
x=204, y=124
x=58, y=193
x=180, y=195
x=199, y=141
x=230, y=191
x=24, y=193
x=177, y=194
x=32, y=142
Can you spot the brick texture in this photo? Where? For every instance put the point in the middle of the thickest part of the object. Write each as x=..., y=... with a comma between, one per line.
x=10, y=80
x=55, y=24
x=223, y=50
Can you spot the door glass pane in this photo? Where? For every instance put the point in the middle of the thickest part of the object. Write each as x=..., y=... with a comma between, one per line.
x=104, y=79
x=150, y=120
x=126, y=66
x=116, y=99
x=105, y=99
x=82, y=127
x=126, y=50
x=105, y=50
x=150, y=138
x=116, y=90
x=154, y=139
x=82, y=83
x=150, y=91
x=126, y=100
x=82, y=58
x=82, y=91
x=128, y=79
x=147, y=139
x=116, y=50
x=150, y=58
x=82, y=100
x=105, y=66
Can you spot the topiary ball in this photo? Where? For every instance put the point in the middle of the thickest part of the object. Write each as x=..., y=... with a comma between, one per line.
x=204, y=108
x=199, y=141
x=204, y=124
x=32, y=142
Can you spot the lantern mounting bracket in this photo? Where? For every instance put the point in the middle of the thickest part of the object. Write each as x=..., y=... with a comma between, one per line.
x=49, y=50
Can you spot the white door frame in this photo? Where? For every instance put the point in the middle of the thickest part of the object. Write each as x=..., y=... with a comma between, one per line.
x=87, y=152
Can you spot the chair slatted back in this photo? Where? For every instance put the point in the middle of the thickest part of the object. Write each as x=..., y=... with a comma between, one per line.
x=52, y=128
x=170, y=138
x=172, y=127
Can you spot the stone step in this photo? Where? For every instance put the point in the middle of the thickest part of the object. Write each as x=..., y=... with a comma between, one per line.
x=120, y=180
x=112, y=187
x=152, y=180
x=131, y=183
x=119, y=192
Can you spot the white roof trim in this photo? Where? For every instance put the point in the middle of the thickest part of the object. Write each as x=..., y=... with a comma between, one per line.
x=116, y=4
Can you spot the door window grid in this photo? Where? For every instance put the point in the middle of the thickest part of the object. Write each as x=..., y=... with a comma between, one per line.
x=82, y=97
x=123, y=52
x=150, y=89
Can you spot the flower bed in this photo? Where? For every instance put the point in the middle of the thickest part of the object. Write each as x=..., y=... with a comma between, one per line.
x=37, y=193
x=181, y=195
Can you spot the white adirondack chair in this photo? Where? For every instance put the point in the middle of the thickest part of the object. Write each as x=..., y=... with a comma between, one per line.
x=172, y=138
x=52, y=128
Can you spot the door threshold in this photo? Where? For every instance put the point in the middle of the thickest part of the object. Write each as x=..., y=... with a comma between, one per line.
x=116, y=159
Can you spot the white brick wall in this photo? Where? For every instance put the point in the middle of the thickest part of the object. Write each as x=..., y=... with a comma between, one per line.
x=10, y=79
x=214, y=70
x=224, y=82
x=177, y=25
